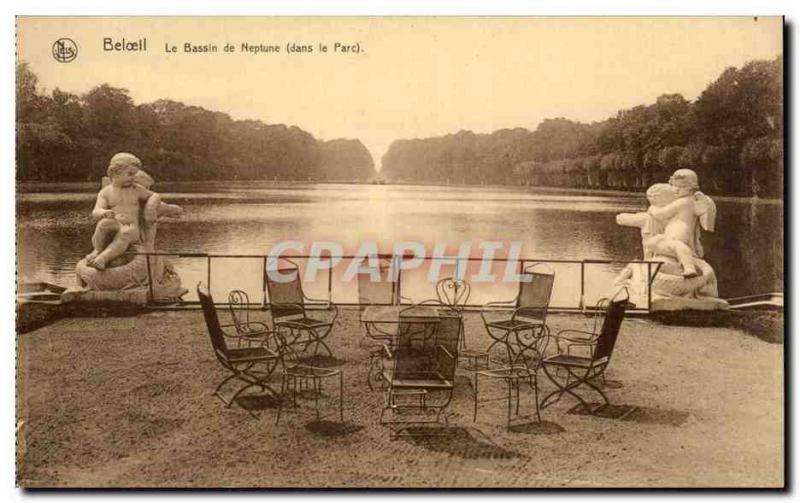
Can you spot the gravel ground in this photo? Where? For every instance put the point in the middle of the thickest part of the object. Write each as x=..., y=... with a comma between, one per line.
x=126, y=402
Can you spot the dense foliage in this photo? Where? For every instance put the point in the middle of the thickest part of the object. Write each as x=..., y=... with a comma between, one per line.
x=65, y=137
x=732, y=135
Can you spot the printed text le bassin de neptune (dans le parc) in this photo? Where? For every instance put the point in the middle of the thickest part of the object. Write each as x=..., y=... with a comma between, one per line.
x=133, y=45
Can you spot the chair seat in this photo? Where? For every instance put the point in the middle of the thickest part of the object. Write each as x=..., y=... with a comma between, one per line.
x=244, y=355
x=517, y=371
x=574, y=361
x=299, y=370
x=303, y=323
x=417, y=380
x=512, y=324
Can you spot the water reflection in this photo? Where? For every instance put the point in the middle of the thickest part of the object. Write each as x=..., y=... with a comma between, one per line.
x=54, y=231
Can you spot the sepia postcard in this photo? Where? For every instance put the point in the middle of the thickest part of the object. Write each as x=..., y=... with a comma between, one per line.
x=400, y=252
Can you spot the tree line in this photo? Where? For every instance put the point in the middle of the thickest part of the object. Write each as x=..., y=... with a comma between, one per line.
x=732, y=135
x=63, y=136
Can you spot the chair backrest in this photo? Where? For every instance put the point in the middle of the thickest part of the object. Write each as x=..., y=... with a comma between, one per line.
x=447, y=335
x=285, y=290
x=376, y=286
x=615, y=312
x=212, y=321
x=238, y=302
x=535, y=289
x=453, y=292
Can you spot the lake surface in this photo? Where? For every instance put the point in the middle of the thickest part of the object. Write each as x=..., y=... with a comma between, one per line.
x=54, y=232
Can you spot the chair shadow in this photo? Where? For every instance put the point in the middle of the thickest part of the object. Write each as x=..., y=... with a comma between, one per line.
x=456, y=441
x=610, y=384
x=327, y=428
x=537, y=428
x=635, y=413
x=257, y=402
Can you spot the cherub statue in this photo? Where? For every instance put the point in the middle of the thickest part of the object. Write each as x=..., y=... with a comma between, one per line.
x=126, y=211
x=655, y=240
x=148, y=229
x=690, y=208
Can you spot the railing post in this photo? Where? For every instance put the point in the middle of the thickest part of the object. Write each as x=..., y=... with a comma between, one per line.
x=208, y=272
x=264, y=284
x=149, y=279
x=649, y=289
x=582, y=302
x=330, y=281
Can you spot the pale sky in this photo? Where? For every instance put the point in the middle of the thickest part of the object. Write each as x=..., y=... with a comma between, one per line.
x=416, y=77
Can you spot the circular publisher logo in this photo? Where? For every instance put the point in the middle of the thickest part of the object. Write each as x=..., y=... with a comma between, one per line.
x=65, y=50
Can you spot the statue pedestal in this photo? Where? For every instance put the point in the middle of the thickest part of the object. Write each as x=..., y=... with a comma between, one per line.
x=681, y=303
x=128, y=283
x=670, y=291
x=137, y=296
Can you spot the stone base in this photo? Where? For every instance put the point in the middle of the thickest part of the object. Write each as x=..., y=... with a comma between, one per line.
x=683, y=303
x=137, y=296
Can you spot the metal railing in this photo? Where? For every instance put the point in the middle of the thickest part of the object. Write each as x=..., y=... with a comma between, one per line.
x=651, y=266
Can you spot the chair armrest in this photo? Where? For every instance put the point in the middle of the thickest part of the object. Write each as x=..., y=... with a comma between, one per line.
x=321, y=305
x=499, y=303
x=387, y=350
x=230, y=335
x=591, y=339
x=448, y=353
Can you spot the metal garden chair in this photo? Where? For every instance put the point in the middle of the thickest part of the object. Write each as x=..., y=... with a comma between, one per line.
x=250, y=365
x=581, y=371
x=526, y=317
x=524, y=370
x=421, y=373
x=297, y=376
x=377, y=287
x=290, y=307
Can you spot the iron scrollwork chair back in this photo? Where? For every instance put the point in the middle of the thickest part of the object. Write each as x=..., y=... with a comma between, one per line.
x=238, y=305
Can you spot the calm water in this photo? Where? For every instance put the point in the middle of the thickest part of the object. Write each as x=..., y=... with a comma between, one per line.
x=54, y=232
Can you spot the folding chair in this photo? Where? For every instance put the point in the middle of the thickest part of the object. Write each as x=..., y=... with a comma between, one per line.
x=250, y=365
x=582, y=370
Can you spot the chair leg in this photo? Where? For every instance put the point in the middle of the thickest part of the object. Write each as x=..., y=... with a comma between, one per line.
x=225, y=381
x=588, y=381
x=341, y=398
x=317, y=390
x=475, y=401
x=241, y=390
x=508, y=405
x=568, y=388
x=536, y=397
x=282, y=398
x=556, y=393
